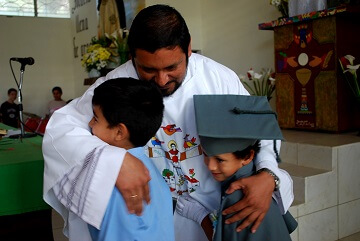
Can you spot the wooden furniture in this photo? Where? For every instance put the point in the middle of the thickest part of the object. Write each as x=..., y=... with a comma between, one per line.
x=23, y=213
x=311, y=92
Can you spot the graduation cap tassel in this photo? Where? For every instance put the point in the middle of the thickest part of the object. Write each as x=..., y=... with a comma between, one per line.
x=276, y=152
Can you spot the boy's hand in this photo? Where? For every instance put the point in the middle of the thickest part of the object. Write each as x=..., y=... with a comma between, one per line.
x=188, y=207
x=132, y=183
x=252, y=208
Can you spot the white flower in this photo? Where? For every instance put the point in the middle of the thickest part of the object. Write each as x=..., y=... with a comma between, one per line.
x=242, y=77
x=257, y=76
x=250, y=74
x=275, y=2
x=352, y=68
x=350, y=58
x=272, y=80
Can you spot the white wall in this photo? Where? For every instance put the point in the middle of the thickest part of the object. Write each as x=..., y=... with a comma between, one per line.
x=85, y=13
x=192, y=13
x=226, y=31
x=231, y=35
x=48, y=41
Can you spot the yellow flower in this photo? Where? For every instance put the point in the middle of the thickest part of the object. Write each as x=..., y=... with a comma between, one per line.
x=96, y=57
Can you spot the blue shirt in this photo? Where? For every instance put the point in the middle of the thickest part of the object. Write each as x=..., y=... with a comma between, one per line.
x=156, y=222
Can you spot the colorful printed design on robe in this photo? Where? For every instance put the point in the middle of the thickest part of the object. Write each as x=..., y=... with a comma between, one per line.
x=155, y=142
x=170, y=129
x=188, y=143
x=165, y=146
x=169, y=179
x=304, y=68
x=173, y=155
x=192, y=182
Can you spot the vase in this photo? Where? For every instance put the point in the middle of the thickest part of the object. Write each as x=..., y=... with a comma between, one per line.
x=94, y=73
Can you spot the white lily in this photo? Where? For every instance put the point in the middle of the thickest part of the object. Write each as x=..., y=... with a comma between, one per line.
x=351, y=68
x=251, y=74
x=242, y=77
x=259, y=84
x=257, y=76
x=350, y=58
x=272, y=80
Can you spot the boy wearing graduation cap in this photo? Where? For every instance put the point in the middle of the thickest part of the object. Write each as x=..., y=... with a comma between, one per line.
x=230, y=128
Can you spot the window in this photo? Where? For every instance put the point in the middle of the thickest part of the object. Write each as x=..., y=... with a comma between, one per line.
x=35, y=8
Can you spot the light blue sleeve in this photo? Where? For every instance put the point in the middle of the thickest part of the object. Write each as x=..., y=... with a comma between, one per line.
x=156, y=222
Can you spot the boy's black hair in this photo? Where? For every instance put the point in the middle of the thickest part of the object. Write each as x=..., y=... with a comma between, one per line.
x=138, y=104
x=11, y=90
x=158, y=26
x=244, y=154
x=57, y=88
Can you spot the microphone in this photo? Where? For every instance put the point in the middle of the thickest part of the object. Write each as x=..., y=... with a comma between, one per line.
x=24, y=61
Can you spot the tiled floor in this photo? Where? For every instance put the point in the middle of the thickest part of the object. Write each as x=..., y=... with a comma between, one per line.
x=58, y=223
x=354, y=237
x=58, y=235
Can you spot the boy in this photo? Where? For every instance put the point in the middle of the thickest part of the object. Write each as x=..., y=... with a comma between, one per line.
x=9, y=110
x=127, y=113
x=230, y=127
x=57, y=102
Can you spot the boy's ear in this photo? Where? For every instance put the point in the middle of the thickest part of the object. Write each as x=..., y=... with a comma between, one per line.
x=249, y=158
x=122, y=132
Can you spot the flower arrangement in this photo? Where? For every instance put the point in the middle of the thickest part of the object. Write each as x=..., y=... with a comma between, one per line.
x=108, y=51
x=282, y=6
x=96, y=57
x=262, y=84
x=349, y=70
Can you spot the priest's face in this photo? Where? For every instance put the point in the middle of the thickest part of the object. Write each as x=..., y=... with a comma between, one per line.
x=166, y=67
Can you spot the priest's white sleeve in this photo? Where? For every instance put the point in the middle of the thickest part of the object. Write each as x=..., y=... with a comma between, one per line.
x=266, y=158
x=73, y=154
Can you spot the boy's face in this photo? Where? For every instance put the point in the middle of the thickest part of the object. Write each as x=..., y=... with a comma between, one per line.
x=57, y=95
x=12, y=96
x=223, y=166
x=100, y=127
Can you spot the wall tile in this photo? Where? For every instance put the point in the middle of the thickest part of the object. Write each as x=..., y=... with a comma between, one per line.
x=319, y=226
x=321, y=157
x=349, y=218
x=320, y=193
x=348, y=172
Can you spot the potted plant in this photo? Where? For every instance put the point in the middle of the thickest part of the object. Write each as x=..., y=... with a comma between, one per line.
x=262, y=84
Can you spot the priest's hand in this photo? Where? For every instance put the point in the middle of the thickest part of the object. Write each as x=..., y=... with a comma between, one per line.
x=252, y=208
x=132, y=183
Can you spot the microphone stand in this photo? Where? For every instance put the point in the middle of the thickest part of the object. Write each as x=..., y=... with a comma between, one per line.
x=23, y=134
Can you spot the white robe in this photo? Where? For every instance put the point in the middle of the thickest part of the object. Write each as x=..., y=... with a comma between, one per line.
x=67, y=142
